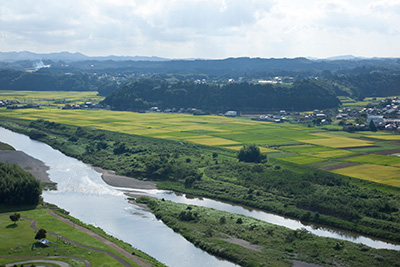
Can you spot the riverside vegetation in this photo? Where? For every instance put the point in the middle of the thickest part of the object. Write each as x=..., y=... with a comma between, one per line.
x=278, y=186
x=251, y=242
x=20, y=195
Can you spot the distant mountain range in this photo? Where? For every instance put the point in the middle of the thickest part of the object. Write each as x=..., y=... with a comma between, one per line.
x=68, y=57
x=240, y=68
x=74, y=57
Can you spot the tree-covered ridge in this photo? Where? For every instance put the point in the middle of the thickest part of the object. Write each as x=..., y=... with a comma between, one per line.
x=18, y=187
x=301, y=95
x=45, y=81
x=362, y=85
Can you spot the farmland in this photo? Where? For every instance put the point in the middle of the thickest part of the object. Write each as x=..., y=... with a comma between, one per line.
x=52, y=97
x=303, y=145
x=178, y=153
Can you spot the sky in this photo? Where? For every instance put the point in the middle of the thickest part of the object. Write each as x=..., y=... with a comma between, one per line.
x=208, y=29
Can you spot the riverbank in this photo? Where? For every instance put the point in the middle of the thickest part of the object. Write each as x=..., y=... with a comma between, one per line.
x=112, y=179
x=250, y=242
x=29, y=164
x=39, y=170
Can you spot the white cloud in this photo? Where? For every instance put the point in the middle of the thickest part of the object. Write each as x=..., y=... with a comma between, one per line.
x=203, y=28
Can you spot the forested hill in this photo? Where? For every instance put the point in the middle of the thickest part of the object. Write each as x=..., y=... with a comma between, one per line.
x=366, y=84
x=245, y=97
x=43, y=81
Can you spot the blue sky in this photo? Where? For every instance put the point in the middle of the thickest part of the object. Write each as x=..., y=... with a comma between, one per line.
x=203, y=28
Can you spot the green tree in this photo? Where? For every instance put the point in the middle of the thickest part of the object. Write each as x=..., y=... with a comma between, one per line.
x=15, y=217
x=250, y=153
x=372, y=126
x=41, y=233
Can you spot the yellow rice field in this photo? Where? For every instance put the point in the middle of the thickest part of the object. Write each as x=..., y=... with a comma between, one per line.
x=337, y=141
x=50, y=97
x=376, y=173
x=387, y=137
x=230, y=133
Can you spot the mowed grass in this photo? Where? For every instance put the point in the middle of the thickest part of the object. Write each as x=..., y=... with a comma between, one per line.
x=50, y=97
x=376, y=173
x=17, y=240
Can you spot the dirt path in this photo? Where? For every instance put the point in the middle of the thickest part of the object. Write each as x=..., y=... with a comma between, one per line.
x=59, y=263
x=98, y=237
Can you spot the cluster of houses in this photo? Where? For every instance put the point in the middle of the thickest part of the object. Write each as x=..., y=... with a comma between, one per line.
x=384, y=116
x=86, y=105
x=173, y=110
x=14, y=104
x=5, y=103
x=388, y=117
x=277, y=118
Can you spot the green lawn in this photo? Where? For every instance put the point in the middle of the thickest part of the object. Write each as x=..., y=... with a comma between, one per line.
x=17, y=240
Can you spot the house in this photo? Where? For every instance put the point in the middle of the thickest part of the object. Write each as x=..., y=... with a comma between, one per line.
x=231, y=113
x=154, y=109
x=376, y=119
x=44, y=242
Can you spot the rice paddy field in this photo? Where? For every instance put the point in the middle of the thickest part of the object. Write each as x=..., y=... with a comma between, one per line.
x=364, y=155
x=51, y=97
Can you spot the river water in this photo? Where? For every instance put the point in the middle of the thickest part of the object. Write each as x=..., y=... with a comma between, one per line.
x=83, y=193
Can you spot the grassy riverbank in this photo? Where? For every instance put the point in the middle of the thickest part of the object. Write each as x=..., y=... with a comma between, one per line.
x=251, y=242
x=17, y=241
x=279, y=186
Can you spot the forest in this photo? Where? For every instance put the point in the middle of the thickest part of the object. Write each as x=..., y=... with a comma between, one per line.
x=43, y=81
x=18, y=187
x=301, y=95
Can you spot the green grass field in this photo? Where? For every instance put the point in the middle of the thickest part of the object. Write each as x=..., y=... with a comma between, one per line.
x=313, y=144
x=17, y=240
x=302, y=159
x=377, y=159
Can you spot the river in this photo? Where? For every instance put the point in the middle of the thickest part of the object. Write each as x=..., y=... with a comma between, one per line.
x=84, y=194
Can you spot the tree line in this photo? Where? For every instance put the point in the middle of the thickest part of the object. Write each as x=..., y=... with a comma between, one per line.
x=18, y=187
x=44, y=81
x=301, y=95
